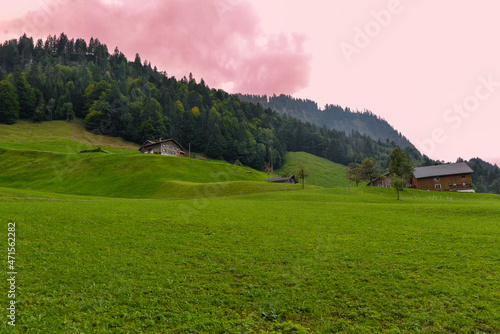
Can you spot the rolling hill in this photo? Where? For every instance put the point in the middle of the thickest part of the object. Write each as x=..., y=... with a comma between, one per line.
x=323, y=172
x=46, y=156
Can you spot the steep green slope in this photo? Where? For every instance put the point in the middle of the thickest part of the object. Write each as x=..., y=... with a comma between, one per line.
x=323, y=172
x=59, y=136
x=46, y=157
x=128, y=175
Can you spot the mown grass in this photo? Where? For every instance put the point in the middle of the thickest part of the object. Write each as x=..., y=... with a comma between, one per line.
x=157, y=248
x=127, y=175
x=46, y=157
x=322, y=172
x=60, y=137
x=314, y=261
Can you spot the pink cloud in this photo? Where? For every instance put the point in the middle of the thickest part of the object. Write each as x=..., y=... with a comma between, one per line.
x=219, y=40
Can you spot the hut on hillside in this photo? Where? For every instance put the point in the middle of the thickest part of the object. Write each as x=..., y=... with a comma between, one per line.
x=278, y=179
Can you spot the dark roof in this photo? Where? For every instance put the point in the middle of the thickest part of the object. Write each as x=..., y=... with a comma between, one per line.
x=442, y=170
x=279, y=178
x=150, y=143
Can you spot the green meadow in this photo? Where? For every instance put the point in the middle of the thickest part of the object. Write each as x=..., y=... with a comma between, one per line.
x=122, y=242
x=322, y=172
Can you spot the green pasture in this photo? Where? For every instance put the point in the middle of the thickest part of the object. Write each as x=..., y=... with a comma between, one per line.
x=313, y=261
x=322, y=172
x=122, y=242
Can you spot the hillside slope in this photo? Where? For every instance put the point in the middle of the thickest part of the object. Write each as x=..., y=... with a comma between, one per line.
x=59, y=137
x=333, y=117
x=47, y=157
x=323, y=172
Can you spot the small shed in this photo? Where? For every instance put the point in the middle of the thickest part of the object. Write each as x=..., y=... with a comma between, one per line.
x=278, y=179
x=381, y=181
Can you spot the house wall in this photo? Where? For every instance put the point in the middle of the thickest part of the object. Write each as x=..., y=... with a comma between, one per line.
x=429, y=183
x=385, y=182
x=170, y=148
x=151, y=149
x=166, y=148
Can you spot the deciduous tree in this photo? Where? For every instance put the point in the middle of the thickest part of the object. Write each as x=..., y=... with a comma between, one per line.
x=400, y=168
x=302, y=173
x=398, y=183
x=354, y=173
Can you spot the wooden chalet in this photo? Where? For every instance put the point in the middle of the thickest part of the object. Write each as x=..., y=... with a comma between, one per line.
x=279, y=179
x=163, y=147
x=452, y=177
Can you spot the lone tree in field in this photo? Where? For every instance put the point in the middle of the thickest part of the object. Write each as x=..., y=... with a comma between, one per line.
x=354, y=173
x=398, y=183
x=400, y=168
x=302, y=173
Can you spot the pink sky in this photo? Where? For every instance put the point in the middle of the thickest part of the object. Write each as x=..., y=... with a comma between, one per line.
x=429, y=68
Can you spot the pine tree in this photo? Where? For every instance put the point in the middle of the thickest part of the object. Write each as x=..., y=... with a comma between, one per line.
x=9, y=106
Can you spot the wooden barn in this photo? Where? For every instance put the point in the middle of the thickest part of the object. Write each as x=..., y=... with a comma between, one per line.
x=163, y=147
x=381, y=181
x=452, y=177
x=386, y=182
x=279, y=179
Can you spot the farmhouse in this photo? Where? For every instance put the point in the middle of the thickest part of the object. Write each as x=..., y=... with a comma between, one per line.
x=453, y=177
x=163, y=147
x=279, y=179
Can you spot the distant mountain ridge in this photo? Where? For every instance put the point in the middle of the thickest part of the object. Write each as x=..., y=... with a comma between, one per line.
x=333, y=117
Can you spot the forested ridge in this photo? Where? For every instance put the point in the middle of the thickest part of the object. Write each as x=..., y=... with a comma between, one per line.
x=332, y=116
x=62, y=78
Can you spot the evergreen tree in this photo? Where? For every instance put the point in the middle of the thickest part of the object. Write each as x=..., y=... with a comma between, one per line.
x=25, y=94
x=9, y=106
x=400, y=165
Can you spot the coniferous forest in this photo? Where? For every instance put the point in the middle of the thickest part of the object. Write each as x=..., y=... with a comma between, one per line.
x=332, y=116
x=62, y=78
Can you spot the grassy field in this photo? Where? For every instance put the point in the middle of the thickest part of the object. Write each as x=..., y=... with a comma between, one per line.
x=59, y=137
x=322, y=172
x=129, y=243
x=46, y=157
x=314, y=261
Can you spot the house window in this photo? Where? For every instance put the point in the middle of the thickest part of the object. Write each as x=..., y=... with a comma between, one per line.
x=438, y=186
x=436, y=179
x=463, y=176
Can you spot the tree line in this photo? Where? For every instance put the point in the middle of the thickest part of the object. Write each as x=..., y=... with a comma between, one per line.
x=62, y=78
x=332, y=116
